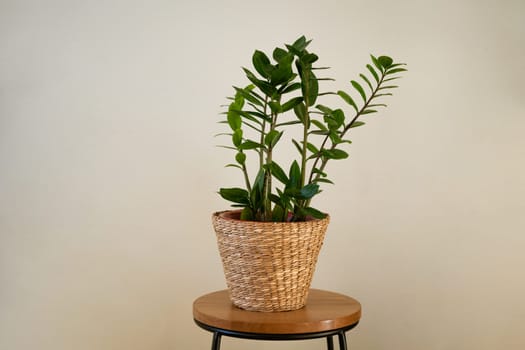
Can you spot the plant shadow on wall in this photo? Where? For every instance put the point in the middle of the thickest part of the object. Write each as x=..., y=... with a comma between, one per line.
x=269, y=246
x=263, y=106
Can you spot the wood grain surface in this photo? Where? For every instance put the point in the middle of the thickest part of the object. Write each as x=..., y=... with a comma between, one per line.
x=324, y=311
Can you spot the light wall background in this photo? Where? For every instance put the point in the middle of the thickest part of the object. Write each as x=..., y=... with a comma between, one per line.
x=108, y=169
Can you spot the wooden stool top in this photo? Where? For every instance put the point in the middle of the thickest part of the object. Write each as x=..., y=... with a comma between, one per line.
x=324, y=311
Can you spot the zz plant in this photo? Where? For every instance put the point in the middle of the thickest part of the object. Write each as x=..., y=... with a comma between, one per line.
x=283, y=94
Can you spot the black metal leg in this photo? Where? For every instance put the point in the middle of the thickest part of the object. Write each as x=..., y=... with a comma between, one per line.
x=330, y=342
x=216, y=342
x=342, y=340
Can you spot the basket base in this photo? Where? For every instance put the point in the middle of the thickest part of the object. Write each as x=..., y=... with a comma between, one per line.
x=272, y=305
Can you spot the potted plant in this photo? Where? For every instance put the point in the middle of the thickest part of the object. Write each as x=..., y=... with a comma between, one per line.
x=269, y=245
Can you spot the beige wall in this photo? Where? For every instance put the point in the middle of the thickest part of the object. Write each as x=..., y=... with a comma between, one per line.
x=108, y=169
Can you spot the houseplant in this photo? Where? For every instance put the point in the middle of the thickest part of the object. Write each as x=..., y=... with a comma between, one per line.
x=262, y=243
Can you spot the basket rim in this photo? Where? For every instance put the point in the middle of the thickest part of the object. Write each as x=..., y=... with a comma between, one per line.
x=230, y=215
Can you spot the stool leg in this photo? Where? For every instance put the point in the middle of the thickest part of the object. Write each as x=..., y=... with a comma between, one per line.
x=342, y=340
x=216, y=342
x=330, y=342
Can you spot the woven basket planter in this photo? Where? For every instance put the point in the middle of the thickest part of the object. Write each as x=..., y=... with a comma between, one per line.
x=268, y=265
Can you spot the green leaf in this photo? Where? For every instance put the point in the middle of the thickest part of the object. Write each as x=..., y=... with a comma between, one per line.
x=279, y=54
x=274, y=198
x=264, y=86
x=257, y=189
x=376, y=63
x=278, y=172
x=385, y=61
x=335, y=138
x=248, y=115
x=254, y=127
x=234, y=120
x=347, y=99
x=293, y=193
x=240, y=158
x=389, y=79
x=313, y=90
x=309, y=191
x=300, y=44
x=248, y=96
x=324, y=109
x=237, y=137
x=291, y=104
x=320, y=132
x=248, y=144
x=339, y=117
x=236, y=195
x=272, y=138
x=283, y=72
x=247, y=214
x=227, y=147
x=280, y=193
x=309, y=58
x=312, y=148
x=320, y=125
x=357, y=124
x=310, y=87
x=250, y=75
x=394, y=71
x=291, y=87
x=334, y=154
x=317, y=171
x=359, y=88
x=367, y=81
x=238, y=102
x=291, y=122
x=301, y=112
x=314, y=213
x=259, y=180
x=298, y=146
x=275, y=107
x=278, y=214
x=373, y=72
x=326, y=93
x=294, y=176
x=388, y=87
x=324, y=180
x=392, y=66
x=262, y=64
x=260, y=115
x=369, y=111
x=330, y=121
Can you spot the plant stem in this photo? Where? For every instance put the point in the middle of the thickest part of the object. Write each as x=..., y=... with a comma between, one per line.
x=347, y=127
x=364, y=106
x=267, y=187
x=305, y=130
x=263, y=127
x=246, y=178
x=304, y=154
x=317, y=159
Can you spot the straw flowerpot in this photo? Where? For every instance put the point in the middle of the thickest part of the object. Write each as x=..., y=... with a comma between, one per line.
x=268, y=265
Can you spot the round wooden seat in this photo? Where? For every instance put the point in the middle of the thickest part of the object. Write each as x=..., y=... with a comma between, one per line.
x=324, y=312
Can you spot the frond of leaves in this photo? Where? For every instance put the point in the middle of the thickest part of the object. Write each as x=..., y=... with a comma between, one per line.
x=258, y=108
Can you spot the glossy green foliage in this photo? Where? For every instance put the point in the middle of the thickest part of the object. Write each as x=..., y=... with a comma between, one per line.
x=286, y=92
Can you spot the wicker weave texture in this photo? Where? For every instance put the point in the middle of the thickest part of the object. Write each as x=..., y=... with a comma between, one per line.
x=268, y=266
